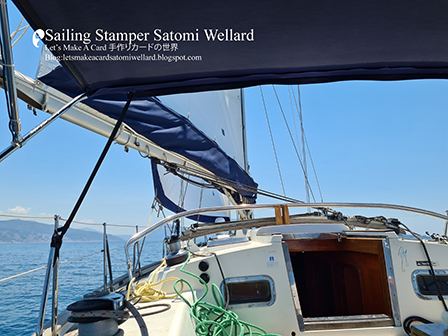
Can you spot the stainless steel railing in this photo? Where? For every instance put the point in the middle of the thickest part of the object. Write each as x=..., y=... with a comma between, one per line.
x=138, y=236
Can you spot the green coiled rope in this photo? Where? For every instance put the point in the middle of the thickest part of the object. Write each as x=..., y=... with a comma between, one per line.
x=214, y=319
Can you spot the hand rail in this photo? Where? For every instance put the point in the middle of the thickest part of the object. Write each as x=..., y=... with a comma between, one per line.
x=138, y=236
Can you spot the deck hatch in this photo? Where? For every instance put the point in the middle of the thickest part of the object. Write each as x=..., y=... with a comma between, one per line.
x=248, y=292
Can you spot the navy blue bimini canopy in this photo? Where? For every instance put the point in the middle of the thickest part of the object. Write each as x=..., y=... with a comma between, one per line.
x=177, y=46
x=172, y=131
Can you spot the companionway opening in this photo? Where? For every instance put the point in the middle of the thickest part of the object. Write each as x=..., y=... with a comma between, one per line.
x=341, y=282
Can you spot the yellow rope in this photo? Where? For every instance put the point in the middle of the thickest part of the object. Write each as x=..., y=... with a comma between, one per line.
x=146, y=290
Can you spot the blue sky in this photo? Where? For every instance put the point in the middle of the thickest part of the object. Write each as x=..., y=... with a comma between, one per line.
x=384, y=142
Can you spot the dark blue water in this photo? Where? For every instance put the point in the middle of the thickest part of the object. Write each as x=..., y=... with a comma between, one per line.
x=20, y=297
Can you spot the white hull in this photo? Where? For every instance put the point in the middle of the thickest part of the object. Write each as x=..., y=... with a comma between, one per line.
x=323, y=280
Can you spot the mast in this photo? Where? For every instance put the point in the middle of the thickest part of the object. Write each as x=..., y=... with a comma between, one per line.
x=246, y=214
x=243, y=130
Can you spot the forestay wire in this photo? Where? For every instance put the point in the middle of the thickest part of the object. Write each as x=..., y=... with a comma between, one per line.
x=272, y=141
x=299, y=109
x=294, y=144
x=297, y=135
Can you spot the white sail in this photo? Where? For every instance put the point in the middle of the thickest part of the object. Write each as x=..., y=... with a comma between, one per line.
x=220, y=116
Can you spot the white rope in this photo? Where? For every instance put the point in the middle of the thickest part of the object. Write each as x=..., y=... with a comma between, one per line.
x=62, y=219
x=63, y=262
x=39, y=268
x=23, y=216
x=23, y=33
x=19, y=28
x=107, y=224
x=16, y=276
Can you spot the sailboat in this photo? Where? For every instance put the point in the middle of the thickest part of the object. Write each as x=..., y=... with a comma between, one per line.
x=285, y=274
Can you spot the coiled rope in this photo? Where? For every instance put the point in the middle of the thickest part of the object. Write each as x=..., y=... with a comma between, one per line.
x=214, y=319
x=147, y=292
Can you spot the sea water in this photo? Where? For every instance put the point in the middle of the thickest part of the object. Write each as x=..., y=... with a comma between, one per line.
x=21, y=296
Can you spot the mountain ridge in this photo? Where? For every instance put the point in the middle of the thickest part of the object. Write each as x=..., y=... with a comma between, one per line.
x=25, y=231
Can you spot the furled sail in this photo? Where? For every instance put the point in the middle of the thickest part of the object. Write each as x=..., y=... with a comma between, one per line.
x=206, y=128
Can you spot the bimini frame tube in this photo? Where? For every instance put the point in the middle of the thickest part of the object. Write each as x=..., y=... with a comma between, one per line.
x=11, y=149
x=8, y=69
x=138, y=236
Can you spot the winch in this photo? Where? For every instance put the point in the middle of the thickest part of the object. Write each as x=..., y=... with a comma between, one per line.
x=99, y=313
x=175, y=254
